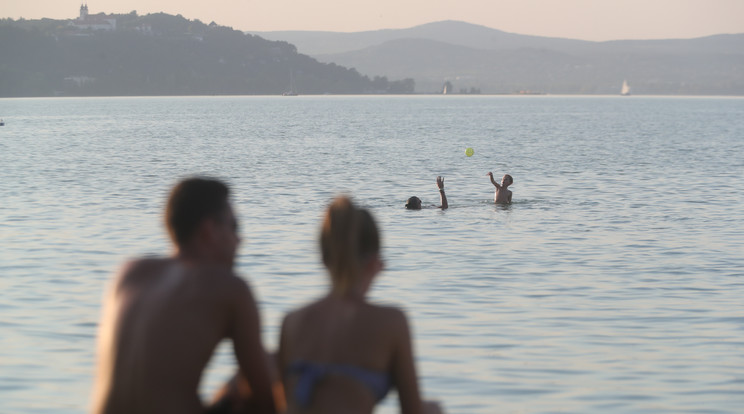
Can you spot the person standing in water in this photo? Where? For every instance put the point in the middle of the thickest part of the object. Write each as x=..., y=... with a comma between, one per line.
x=341, y=354
x=502, y=195
x=163, y=317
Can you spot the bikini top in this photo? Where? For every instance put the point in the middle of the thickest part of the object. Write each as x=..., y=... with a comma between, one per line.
x=311, y=372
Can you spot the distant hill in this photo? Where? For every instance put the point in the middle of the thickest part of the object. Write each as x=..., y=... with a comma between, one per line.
x=478, y=58
x=449, y=31
x=161, y=54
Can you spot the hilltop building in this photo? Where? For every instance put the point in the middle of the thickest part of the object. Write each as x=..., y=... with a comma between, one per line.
x=93, y=22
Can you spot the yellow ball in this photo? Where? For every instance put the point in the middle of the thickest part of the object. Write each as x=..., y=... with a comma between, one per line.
x=469, y=152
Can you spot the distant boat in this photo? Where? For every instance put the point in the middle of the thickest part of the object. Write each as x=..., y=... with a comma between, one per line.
x=529, y=92
x=292, y=90
x=2, y=123
x=625, y=91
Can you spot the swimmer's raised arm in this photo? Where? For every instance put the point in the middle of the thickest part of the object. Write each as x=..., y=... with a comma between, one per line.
x=490, y=175
x=442, y=196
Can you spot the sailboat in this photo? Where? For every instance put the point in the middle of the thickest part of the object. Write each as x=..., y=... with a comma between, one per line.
x=625, y=91
x=292, y=90
x=447, y=88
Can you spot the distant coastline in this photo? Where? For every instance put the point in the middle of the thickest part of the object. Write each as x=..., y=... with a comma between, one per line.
x=493, y=61
x=164, y=55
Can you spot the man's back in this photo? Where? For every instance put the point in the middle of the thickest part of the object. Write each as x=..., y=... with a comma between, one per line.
x=163, y=319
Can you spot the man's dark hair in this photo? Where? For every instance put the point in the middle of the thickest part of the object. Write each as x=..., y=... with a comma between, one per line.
x=413, y=203
x=191, y=201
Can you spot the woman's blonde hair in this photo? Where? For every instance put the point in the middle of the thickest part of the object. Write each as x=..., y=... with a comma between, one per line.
x=348, y=237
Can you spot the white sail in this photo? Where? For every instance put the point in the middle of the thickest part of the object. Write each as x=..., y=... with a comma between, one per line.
x=292, y=89
x=625, y=91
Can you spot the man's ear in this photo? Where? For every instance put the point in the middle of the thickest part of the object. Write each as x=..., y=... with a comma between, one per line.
x=206, y=230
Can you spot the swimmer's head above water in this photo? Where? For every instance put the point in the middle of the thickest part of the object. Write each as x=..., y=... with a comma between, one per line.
x=507, y=180
x=413, y=203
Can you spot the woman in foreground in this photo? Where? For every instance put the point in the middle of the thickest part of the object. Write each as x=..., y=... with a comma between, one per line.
x=342, y=354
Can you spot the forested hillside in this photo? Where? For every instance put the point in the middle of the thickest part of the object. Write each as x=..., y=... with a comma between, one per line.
x=160, y=54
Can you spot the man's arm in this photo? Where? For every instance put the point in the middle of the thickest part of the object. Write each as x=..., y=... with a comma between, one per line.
x=490, y=174
x=249, y=351
x=442, y=195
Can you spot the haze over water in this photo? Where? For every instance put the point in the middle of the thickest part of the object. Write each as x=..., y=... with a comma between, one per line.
x=613, y=284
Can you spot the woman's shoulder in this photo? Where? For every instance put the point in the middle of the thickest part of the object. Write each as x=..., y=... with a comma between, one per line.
x=299, y=316
x=391, y=317
x=390, y=311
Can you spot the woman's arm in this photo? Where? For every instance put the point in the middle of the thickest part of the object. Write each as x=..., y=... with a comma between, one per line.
x=404, y=369
x=281, y=354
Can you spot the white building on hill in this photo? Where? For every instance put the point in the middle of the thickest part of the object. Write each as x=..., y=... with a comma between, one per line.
x=93, y=22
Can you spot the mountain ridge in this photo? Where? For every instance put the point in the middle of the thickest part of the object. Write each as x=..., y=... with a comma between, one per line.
x=441, y=30
x=466, y=33
x=474, y=57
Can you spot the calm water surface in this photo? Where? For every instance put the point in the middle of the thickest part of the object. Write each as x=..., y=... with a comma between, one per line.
x=613, y=283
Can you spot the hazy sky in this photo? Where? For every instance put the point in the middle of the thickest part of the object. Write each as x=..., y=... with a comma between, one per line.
x=578, y=19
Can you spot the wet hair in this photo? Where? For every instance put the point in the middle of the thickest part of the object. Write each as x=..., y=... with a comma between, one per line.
x=190, y=202
x=413, y=203
x=348, y=237
x=511, y=180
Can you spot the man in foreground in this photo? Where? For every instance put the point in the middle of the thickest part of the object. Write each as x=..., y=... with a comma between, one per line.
x=163, y=317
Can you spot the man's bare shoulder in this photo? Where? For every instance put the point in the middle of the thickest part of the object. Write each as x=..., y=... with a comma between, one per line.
x=226, y=279
x=221, y=281
x=135, y=270
x=212, y=277
x=138, y=265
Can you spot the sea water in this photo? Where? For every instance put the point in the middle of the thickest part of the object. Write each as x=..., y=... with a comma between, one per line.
x=613, y=283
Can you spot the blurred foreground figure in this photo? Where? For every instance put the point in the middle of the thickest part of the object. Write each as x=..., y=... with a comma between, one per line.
x=341, y=354
x=163, y=317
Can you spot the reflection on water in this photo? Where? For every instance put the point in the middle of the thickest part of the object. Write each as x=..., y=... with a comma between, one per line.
x=613, y=282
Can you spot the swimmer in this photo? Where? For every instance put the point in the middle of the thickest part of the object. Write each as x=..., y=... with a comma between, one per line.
x=502, y=195
x=414, y=203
